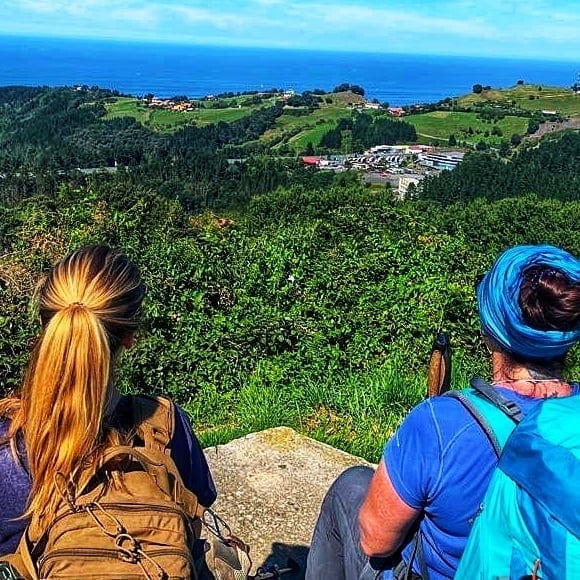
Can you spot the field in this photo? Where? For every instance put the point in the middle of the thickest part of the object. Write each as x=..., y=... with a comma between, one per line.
x=439, y=125
x=296, y=130
x=165, y=121
x=530, y=97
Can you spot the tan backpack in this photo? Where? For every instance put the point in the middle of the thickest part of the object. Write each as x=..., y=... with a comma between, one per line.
x=129, y=515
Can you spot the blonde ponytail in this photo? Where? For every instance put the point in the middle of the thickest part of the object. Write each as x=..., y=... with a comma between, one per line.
x=87, y=304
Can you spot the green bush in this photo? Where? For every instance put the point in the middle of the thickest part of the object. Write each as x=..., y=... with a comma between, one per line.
x=310, y=308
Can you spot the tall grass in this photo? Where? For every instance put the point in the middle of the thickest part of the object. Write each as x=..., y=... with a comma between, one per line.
x=356, y=411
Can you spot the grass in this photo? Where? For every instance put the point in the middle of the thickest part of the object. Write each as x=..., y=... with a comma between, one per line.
x=357, y=412
x=438, y=125
x=165, y=121
x=569, y=106
x=545, y=98
x=298, y=131
x=310, y=135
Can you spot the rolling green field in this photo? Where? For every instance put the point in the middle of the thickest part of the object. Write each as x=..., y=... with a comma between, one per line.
x=438, y=125
x=292, y=129
x=310, y=135
x=298, y=131
x=433, y=127
x=544, y=98
x=165, y=121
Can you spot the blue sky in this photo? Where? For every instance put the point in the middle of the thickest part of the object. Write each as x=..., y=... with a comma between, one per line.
x=504, y=28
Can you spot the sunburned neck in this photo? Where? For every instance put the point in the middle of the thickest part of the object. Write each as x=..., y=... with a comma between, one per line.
x=536, y=388
x=532, y=381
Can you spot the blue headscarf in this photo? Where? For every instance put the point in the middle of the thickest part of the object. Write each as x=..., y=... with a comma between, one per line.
x=498, y=299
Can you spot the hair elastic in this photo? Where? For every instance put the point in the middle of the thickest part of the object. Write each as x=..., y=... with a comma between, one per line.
x=542, y=274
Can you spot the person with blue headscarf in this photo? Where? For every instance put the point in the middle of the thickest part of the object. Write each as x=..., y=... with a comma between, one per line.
x=410, y=518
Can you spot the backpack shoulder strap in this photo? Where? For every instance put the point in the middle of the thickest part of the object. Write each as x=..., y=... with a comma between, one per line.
x=20, y=562
x=486, y=391
x=154, y=421
x=496, y=415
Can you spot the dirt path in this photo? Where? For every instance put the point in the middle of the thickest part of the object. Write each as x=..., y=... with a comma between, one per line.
x=432, y=137
x=550, y=127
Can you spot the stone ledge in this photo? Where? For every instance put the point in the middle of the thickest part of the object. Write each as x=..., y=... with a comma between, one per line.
x=270, y=487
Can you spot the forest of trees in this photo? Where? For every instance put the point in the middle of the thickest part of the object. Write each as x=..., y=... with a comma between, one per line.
x=366, y=131
x=549, y=170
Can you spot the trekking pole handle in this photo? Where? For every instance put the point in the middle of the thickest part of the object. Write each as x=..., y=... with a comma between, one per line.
x=439, y=375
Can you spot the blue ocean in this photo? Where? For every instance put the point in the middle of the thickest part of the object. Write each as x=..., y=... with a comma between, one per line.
x=168, y=69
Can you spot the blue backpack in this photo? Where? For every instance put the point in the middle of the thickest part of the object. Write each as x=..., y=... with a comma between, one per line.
x=528, y=527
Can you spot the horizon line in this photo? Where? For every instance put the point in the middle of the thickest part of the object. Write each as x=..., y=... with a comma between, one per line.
x=191, y=43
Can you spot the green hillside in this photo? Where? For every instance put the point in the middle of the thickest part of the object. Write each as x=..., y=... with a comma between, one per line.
x=296, y=127
x=467, y=118
x=298, y=131
x=437, y=126
x=277, y=294
x=529, y=97
x=168, y=120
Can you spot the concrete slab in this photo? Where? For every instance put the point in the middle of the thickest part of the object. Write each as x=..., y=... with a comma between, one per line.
x=270, y=487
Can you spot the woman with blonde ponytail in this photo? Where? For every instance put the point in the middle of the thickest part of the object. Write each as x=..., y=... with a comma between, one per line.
x=68, y=409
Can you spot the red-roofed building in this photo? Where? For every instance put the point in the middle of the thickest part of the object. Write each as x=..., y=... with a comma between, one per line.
x=396, y=111
x=311, y=160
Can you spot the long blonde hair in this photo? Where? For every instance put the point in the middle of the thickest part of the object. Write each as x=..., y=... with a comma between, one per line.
x=88, y=304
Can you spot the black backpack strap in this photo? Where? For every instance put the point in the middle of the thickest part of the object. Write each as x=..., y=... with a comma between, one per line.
x=404, y=570
x=485, y=390
x=420, y=557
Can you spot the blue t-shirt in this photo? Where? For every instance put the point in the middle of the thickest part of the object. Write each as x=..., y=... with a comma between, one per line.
x=440, y=462
x=15, y=481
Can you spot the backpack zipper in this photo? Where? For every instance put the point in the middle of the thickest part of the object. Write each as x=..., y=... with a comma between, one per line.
x=105, y=553
x=121, y=507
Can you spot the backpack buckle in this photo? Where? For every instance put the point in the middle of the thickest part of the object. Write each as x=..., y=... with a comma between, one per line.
x=512, y=410
x=130, y=553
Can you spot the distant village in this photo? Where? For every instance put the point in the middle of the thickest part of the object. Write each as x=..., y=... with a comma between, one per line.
x=401, y=166
x=170, y=104
x=183, y=104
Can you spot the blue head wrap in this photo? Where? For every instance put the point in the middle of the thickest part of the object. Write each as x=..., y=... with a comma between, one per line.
x=498, y=299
